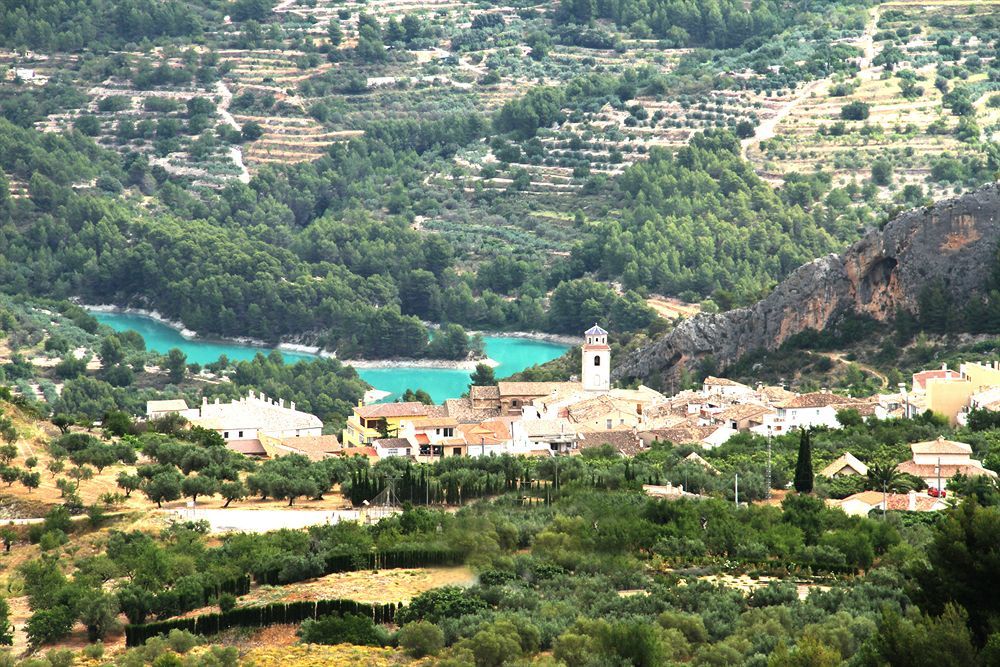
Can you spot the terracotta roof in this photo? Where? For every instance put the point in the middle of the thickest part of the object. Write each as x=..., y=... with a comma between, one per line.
x=940, y=446
x=774, y=393
x=713, y=381
x=427, y=422
x=596, y=407
x=844, y=461
x=463, y=411
x=679, y=434
x=920, y=379
x=929, y=470
x=626, y=442
x=359, y=451
x=533, y=388
x=694, y=457
x=392, y=443
x=867, y=497
x=384, y=410
x=901, y=502
x=819, y=399
x=485, y=393
x=742, y=411
x=247, y=447
x=894, y=501
x=490, y=432
x=316, y=447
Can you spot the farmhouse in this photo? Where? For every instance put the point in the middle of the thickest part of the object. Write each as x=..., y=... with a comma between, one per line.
x=243, y=422
x=937, y=461
x=848, y=464
x=860, y=504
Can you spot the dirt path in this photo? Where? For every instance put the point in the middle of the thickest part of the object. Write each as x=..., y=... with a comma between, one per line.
x=235, y=152
x=768, y=128
x=839, y=358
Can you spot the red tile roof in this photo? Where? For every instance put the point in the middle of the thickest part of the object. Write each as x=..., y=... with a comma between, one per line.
x=247, y=447
x=384, y=410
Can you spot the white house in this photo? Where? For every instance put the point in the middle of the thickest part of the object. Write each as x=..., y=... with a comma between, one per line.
x=814, y=409
x=860, y=504
x=244, y=419
x=726, y=387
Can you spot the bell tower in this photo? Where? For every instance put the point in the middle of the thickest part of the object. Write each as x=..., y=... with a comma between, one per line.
x=596, y=360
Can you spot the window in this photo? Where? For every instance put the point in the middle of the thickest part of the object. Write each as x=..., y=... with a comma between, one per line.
x=240, y=435
x=609, y=424
x=597, y=361
x=456, y=451
x=225, y=435
x=449, y=432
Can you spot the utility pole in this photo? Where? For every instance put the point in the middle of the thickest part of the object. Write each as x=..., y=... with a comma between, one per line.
x=939, y=476
x=768, y=461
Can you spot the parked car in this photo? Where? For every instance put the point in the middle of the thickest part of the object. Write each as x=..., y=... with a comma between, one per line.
x=936, y=493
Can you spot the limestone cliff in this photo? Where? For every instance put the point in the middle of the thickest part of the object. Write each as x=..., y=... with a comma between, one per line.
x=955, y=240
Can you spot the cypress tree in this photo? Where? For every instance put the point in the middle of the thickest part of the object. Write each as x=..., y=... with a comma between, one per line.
x=803, y=466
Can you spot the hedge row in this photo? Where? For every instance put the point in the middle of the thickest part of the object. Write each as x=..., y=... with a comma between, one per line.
x=372, y=560
x=802, y=567
x=258, y=617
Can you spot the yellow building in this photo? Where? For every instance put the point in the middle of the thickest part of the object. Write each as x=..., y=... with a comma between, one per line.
x=948, y=396
x=381, y=420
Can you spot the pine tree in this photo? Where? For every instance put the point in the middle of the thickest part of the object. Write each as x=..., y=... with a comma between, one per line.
x=803, y=466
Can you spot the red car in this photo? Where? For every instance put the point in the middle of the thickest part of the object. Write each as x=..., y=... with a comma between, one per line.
x=936, y=493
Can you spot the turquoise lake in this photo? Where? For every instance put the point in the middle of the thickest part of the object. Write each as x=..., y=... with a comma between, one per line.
x=513, y=354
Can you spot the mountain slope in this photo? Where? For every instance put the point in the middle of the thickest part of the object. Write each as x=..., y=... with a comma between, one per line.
x=954, y=241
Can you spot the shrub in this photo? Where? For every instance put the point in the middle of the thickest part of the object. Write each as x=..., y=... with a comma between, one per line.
x=181, y=641
x=227, y=601
x=856, y=110
x=421, y=638
x=336, y=629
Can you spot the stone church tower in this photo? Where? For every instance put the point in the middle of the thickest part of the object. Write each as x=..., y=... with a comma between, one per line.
x=596, y=360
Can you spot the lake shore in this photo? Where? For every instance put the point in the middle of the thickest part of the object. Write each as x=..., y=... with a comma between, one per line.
x=313, y=350
x=561, y=339
x=466, y=365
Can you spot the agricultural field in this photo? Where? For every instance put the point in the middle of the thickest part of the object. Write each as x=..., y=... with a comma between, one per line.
x=916, y=120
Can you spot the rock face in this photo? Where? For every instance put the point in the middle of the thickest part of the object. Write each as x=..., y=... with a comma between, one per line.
x=954, y=240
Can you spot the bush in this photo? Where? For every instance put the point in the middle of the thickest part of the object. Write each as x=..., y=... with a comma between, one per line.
x=349, y=629
x=855, y=111
x=227, y=601
x=181, y=641
x=421, y=638
x=440, y=603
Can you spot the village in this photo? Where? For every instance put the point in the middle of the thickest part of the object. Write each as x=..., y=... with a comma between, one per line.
x=546, y=419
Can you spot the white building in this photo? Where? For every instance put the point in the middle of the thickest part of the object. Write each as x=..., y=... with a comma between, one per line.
x=808, y=410
x=726, y=387
x=248, y=418
x=596, y=360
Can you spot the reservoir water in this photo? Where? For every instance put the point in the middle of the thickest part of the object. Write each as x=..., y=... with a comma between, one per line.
x=512, y=353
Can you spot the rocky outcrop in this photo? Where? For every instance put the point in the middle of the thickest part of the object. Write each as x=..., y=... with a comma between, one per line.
x=954, y=240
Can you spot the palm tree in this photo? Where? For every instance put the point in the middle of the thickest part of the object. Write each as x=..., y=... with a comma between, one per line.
x=883, y=476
